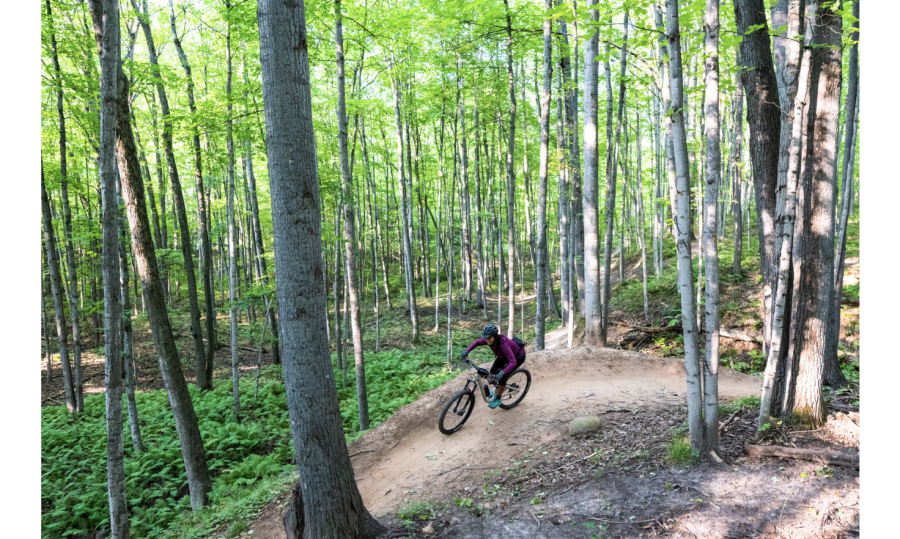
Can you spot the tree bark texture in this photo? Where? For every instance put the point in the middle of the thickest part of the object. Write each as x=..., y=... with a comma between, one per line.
x=710, y=225
x=332, y=505
x=510, y=177
x=816, y=239
x=683, y=244
x=62, y=331
x=349, y=227
x=764, y=119
x=142, y=246
x=177, y=193
x=592, y=308
x=204, y=375
x=110, y=70
x=542, y=254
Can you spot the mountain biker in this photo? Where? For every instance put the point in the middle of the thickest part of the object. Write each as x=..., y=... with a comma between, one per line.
x=509, y=354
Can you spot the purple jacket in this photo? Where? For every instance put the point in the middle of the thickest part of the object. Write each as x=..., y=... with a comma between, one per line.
x=503, y=347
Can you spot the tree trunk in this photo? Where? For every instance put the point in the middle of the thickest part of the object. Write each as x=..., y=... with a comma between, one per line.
x=204, y=375
x=481, y=298
x=577, y=214
x=181, y=212
x=108, y=44
x=834, y=377
x=332, y=505
x=161, y=329
x=593, y=321
x=642, y=227
x=683, y=226
x=404, y=214
x=612, y=169
x=764, y=119
x=62, y=332
x=710, y=225
x=562, y=182
x=67, y=216
x=816, y=238
x=232, y=262
x=127, y=329
x=510, y=176
x=738, y=173
x=542, y=252
x=349, y=228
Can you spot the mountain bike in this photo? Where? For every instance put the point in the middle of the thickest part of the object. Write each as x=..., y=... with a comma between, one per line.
x=458, y=410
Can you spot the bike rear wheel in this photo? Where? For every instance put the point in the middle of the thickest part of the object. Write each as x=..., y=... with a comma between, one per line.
x=517, y=384
x=456, y=412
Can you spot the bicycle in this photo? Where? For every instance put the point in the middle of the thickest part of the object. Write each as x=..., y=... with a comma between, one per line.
x=517, y=384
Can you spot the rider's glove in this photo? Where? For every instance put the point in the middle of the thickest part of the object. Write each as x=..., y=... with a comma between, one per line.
x=497, y=377
x=464, y=355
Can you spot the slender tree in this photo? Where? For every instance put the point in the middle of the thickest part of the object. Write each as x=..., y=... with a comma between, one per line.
x=542, y=254
x=67, y=216
x=160, y=327
x=349, y=228
x=112, y=306
x=177, y=193
x=710, y=225
x=510, y=176
x=204, y=375
x=592, y=293
x=683, y=243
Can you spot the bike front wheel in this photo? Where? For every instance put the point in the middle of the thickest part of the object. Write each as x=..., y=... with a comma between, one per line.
x=517, y=384
x=456, y=412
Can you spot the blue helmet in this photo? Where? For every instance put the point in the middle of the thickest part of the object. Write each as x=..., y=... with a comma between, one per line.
x=490, y=330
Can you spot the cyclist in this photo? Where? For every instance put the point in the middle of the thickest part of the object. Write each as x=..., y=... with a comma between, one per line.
x=509, y=354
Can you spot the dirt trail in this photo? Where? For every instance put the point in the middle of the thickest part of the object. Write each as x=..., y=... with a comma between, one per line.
x=408, y=459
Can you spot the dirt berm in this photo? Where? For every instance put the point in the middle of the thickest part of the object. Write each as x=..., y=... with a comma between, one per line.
x=406, y=458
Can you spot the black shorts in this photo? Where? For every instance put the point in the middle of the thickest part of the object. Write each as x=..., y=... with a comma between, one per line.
x=501, y=362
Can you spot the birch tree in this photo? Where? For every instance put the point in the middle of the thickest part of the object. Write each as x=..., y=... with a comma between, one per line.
x=592, y=309
x=683, y=243
x=710, y=224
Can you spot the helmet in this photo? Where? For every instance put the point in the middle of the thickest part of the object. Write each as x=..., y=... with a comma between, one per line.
x=490, y=330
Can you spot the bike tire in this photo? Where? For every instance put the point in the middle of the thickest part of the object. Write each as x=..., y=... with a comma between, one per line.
x=522, y=392
x=467, y=401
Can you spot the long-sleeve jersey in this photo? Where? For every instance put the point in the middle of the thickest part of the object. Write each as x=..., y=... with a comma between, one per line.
x=503, y=347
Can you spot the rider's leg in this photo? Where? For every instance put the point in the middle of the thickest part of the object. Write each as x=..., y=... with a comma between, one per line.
x=499, y=391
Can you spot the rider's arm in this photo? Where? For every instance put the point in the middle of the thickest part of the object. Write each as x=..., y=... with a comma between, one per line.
x=479, y=342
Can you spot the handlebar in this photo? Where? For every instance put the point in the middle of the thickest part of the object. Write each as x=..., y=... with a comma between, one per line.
x=479, y=370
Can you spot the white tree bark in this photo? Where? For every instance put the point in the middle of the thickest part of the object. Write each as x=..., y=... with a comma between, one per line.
x=683, y=228
x=710, y=226
x=592, y=292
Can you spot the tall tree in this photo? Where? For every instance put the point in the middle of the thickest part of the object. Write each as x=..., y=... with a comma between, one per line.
x=204, y=375
x=177, y=193
x=593, y=327
x=683, y=243
x=764, y=120
x=405, y=214
x=232, y=262
x=67, y=216
x=349, y=228
x=112, y=306
x=328, y=503
x=56, y=286
x=160, y=327
x=710, y=225
x=815, y=285
x=542, y=254
x=510, y=176
x=834, y=377
x=611, y=171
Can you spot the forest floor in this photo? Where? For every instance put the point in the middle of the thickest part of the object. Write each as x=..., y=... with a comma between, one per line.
x=518, y=473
